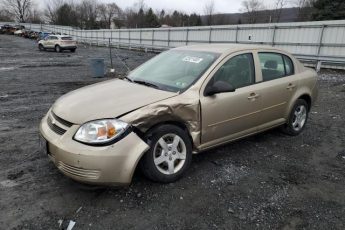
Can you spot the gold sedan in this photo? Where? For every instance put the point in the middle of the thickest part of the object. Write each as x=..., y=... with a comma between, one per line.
x=177, y=104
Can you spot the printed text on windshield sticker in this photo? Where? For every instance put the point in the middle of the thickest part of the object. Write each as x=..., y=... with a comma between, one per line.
x=196, y=60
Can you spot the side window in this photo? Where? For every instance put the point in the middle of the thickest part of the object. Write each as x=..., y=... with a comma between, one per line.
x=239, y=71
x=289, y=68
x=275, y=65
x=272, y=66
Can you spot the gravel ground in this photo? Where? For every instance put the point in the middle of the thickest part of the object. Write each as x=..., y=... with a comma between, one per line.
x=268, y=181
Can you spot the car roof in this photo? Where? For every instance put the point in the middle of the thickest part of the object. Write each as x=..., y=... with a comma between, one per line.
x=225, y=48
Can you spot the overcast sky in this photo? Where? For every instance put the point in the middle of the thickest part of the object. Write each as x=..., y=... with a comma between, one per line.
x=188, y=6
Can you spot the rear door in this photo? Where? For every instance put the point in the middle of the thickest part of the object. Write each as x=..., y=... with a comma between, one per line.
x=226, y=116
x=278, y=85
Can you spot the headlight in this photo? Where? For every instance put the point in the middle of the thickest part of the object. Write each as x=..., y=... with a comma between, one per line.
x=100, y=131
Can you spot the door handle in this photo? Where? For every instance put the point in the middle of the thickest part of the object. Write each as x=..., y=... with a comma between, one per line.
x=290, y=86
x=253, y=96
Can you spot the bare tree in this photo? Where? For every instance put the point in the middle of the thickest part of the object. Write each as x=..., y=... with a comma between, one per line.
x=51, y=9
x=251, y=8
x=88, y=13
x=140, y=4
x=109, y=12
x=209, y=12
x=304, y=9
x=20, y=8
x=6, y=16
x=278, y=8
x=35, y=16
x=303, y=3
x=135, y=15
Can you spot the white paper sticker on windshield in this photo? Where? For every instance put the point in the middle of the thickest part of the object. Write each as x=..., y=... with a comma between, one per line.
x=196, y=60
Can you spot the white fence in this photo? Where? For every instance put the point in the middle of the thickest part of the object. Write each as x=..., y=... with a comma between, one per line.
x=320, y=42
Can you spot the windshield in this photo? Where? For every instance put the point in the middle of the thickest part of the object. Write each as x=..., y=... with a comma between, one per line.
x=174, y=70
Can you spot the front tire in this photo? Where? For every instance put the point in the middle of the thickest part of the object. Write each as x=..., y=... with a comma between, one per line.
x=297, y=119
x=41, y=47
x=73, y=50
x=58, y=49
x=169, y=156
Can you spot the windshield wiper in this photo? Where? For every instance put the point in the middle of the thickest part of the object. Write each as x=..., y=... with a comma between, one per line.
x=128, y=79
x=146, y=83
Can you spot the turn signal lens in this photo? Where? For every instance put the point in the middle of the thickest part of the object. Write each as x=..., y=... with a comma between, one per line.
x=111, y=130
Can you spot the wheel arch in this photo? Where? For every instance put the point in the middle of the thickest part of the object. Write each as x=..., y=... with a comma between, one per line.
x=146, y=163
x=303, y=93
x=142, y=133
x=307, y=98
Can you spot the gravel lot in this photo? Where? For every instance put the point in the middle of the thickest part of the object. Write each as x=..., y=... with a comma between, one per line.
x=268, y=181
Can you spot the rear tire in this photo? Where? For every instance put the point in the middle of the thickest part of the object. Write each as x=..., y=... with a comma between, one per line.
x=297, y=119
x=58, y=49
x=72, y=50
x=169, y=156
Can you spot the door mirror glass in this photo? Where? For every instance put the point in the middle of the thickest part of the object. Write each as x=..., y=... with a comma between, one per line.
x=219, y=87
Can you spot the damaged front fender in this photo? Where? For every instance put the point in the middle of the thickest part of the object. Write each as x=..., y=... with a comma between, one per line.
x=184, y=108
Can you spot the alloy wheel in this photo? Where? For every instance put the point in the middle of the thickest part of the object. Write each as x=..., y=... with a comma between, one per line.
x=299, y=118
x=170, y=154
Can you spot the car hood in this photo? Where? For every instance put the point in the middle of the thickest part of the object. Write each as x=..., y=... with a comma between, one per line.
x=109, y=99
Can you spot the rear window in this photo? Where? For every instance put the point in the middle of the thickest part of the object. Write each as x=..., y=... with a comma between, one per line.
x=66, y=38
x=275, y=65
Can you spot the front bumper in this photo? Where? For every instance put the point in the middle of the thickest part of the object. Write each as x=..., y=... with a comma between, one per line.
x=110, y=165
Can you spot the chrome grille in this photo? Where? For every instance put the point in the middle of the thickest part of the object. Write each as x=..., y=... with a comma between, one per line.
x=54, y=127
x=79, y=172
x=62, y=121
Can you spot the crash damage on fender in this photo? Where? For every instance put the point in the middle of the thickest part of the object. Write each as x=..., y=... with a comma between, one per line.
x=184, y=111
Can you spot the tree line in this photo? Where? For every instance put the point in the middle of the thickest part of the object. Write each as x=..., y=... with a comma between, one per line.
x=254, y=11
x=93, y=14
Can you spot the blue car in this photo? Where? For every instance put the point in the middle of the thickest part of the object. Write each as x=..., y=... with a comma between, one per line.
x=43, y=35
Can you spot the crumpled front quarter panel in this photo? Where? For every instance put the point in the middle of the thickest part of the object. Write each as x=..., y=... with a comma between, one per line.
x=184, y=108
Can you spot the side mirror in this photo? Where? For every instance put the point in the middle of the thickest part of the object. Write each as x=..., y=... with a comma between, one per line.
x=218, y=87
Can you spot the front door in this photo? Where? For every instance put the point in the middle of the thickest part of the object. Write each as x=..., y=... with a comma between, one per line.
x=230, y=115
x=50, y=41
